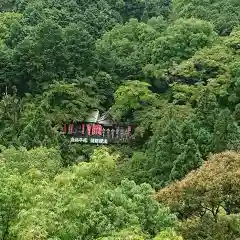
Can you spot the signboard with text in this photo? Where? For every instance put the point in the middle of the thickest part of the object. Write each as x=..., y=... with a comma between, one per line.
x=98, y=134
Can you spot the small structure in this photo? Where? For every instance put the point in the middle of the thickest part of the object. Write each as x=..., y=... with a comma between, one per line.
x=98, y=129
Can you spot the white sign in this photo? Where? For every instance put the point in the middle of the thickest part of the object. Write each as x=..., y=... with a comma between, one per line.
x=92, y=140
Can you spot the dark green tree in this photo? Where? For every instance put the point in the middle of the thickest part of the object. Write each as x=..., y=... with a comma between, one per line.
x=226, y=132
x=188, y=130
x=223, y=14
x=99, y=17
x=163, y=152
x=204, y=141
x=124, y=50
x=190, y=159
x=39, y=132
x=10, y=110
x=206, y=110
x=180, y=41
x=237, y=114
x=142, y=10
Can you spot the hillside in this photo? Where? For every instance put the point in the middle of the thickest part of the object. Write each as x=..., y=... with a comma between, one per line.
x=171, y=69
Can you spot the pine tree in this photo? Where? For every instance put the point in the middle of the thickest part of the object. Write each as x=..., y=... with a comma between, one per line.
x=39, y=132
x=237, y=113
x=166, y=151
x=188, y=130
x=202, y=136
x=204, y=141
x=226, y=132
x=189, y=160
x=206, y=110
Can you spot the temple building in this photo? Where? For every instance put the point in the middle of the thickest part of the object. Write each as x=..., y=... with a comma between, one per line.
x=97, y=129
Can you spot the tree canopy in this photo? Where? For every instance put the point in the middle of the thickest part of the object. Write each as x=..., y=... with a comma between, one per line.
x=170, y=69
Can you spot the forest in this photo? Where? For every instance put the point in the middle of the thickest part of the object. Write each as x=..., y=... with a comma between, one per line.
x=171, y=67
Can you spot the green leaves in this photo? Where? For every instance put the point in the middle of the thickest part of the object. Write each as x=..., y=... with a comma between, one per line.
x=131, y=204
x=69, y=101
x=131, y=96
x=223, y=14
x=39, y=201
x=7, y=21
x=168, y=235
x=48, y=161
x=187, y=161
x=226, y=132
x=61, y=59
x=132, y=233
x=24, y=175
x=181, y=40
x=164, y=150
x=142, y=10
x=124, y=50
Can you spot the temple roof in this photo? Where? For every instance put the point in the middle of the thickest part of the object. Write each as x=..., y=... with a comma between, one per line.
x=104, y=119
x=93, y=116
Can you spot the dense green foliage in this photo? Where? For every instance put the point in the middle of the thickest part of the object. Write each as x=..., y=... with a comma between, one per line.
x=171, y=68
x=40, y=200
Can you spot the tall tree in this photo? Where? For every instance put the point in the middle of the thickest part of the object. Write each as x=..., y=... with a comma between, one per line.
x=142, y=10
x=187, y=161
x=10, y=109
x=39, y=132
x=180, y=41
x=133, y=95
x=81, y=202
x=213, y=186
x=163, y=152
x=223, y=14
x=206, y=110
x=124, y=50
x=226, y=132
